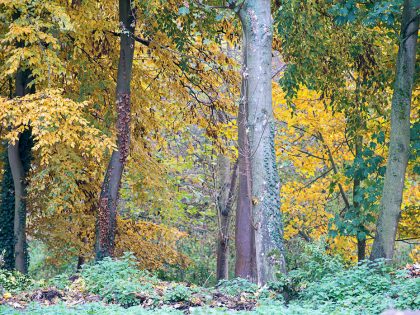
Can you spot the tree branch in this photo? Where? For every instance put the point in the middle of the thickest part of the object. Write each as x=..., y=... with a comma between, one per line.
x=316, y=178
x=145, y=42
x=334, y=167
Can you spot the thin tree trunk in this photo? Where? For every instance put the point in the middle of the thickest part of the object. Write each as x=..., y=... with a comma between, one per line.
x=361, y=241
x=223, y=168
x=257, y=27
x=20, y=207
x=17, y=154
x=399, y=146
x=245, y=265
x=222, y=267
x=225, y=202
x=81, y=259
x=107, y=212
x=80, y=262
x=361, y=249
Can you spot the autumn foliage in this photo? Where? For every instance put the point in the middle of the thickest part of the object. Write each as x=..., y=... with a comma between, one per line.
x=176, y=119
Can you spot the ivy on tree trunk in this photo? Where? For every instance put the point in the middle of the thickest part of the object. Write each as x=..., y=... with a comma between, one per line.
x=7, y=215
x=256, y=22
x=399, y=145
x=107, y=212
x=19, y=156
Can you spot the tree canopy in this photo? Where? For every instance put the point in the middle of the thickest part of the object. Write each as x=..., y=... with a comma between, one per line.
x=211, y=139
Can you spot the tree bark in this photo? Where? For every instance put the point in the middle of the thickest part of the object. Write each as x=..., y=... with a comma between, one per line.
x=245, y=265
x=257, y=29
x=7, y=208
x=18, y=154
x=399, y=146
x=7, y=215
x=80, y=262
x=20, y=207
x=361, y=249
x=225, y=202
x=107, y=212
x=361, y=241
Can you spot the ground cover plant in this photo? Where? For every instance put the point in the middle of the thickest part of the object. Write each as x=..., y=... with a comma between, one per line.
x=117, y=286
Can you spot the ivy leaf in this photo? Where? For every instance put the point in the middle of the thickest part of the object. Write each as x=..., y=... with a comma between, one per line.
x=183, y=10
x=219, y=17
x=361, y=235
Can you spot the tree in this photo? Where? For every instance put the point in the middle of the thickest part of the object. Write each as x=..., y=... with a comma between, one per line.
x=169, y=48
x=108, y=201
x=348, y=63
x=399, y=146
x=258, y=235
x=17, y=159
x=245, y=264
x=29, y=57
x=8, y=210
x=256, y=22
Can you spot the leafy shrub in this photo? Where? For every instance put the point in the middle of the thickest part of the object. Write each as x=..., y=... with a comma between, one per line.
x=315, y=263
x=108, y=270
x=42, y=267
x=367, y=278
x=311, y=264
x=177, y=293
x=14, y=281
x=368, y=288
x=405, y=292
x=124, y=292
x=117, y=280
x=60, y=281
x=273, y=291
x=201, y=270
x=236, y=286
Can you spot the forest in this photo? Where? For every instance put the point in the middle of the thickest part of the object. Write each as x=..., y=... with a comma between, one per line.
x=209, y=157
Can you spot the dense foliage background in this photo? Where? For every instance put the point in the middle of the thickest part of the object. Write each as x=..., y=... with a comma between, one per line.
x=137, y=137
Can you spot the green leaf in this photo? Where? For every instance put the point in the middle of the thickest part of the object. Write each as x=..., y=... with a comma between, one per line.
x=361, y=235
x=183, y=11
x=219, y=17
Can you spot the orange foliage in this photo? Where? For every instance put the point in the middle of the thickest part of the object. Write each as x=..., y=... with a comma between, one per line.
x=154, y=245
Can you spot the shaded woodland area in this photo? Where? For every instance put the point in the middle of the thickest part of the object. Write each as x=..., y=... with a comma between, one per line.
x=206, y=157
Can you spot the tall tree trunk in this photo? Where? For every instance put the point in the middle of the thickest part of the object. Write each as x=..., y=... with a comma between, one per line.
x=107, y=212
x=20, y=207
x=224, y=204
x=7, y=208
x=399, y=146
x=7, y=215
x=18, y=155
x=245, y=265
x=256, y=21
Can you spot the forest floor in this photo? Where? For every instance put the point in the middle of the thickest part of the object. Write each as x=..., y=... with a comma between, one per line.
x=355, y=292
x=196, y=297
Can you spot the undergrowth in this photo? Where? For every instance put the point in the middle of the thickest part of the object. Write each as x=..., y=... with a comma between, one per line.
x=321, y=285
